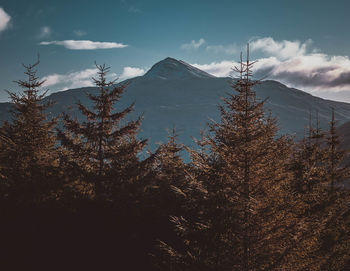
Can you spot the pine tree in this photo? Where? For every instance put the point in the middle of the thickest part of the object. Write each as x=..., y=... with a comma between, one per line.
x=308, y=186
x=158, y=200
x=28, y=156
x=169, y=172
x=239, y=189
x=337, y=172
x=335, y=240
x=104, y=147
x=101, y=156
x=308, y=159
x=320, y=203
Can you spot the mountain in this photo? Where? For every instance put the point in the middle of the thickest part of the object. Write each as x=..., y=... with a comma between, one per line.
x=173, y=92
x=171, y=68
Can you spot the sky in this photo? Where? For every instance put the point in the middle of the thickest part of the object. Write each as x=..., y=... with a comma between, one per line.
x=303, y=44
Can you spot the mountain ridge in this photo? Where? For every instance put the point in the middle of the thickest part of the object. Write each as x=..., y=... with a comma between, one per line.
x=189, y=102
x=171, y=68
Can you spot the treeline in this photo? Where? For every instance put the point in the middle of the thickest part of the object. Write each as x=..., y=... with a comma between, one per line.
x=86, y=195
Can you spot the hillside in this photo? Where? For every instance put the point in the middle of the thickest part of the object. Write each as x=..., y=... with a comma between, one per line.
x=173, y=93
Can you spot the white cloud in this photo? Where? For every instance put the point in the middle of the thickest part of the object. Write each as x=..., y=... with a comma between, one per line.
x=83, y=78
x=315, y=71
x=129, y=72
x=229, y=49
x=85, y=44
x=4, y=19
x=294, y=63
x=45, y=32
x=193, y=45
x=282, y=49
x=219, y=69
x=71, y=80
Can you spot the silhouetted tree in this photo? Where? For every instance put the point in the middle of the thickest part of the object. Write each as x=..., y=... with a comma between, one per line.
x=336, y=171
x=30, y=178
x=335, y=238
x=102, y=154
x=28, y=155
x=320, y=203
x=239, y=190
x=169, y=172
x=104, y=147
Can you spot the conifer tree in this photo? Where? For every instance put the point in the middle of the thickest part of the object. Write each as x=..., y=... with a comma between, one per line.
x=28, y=156
x=308, y=184
x=335, y=156
x=320, y=203
x=101, y=156
x=239, y=189
x=104, y=147
x=169, y=172
x=335, y=240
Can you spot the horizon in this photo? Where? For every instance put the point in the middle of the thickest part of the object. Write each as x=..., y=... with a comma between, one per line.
x=178, y=60
x=302, y=45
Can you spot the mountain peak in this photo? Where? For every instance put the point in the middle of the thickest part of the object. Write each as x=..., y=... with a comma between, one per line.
x=171, y=68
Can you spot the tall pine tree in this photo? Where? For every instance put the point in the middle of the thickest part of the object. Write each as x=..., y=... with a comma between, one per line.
x=28, y=155
x=104, y=147
x=240, y=191
x=320, y=202
x=335, y=240
x=101, y=156
x=30, y=178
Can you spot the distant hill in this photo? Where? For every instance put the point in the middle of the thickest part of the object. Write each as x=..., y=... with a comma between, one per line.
x=173, y=92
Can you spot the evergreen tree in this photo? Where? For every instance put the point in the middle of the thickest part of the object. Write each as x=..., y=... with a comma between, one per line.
x=239, y=191
x=102, y=158
x=320, y=203
x=169, y=172
x=335, y=240
x=336, y=171
x=158, y=200
x=30, y=179
x=104, y=147
x=308, y=188
x=28, y=156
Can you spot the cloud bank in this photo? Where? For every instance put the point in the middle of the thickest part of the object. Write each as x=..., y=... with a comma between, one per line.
x=71, y=80
x=4, y=19
x=219, y=69
x=281, y=49
x=130, y=72
x=294, y=63
x=84, y=44
x=83, y=78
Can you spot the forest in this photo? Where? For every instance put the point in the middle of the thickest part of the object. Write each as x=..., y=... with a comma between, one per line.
x=88, y=195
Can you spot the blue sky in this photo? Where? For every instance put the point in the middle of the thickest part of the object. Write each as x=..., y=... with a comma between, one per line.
x=303, y=44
